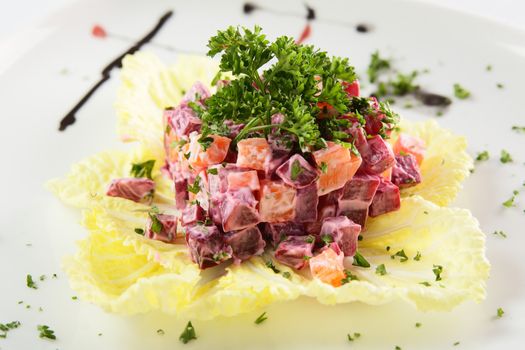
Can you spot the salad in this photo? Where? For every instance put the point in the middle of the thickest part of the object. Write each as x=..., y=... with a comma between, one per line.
x=275, y=174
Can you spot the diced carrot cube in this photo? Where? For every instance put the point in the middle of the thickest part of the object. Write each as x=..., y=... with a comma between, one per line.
x=338, y=166
x=214, y=154
x=254, y=153
x=410, y=145
x=243, y=179
x=328, y=267
x=277, y=202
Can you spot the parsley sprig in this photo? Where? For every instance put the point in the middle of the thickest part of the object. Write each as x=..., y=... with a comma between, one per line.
x=277, y=77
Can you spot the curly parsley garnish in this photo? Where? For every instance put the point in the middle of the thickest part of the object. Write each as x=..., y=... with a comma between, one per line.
x=482, y=156
x=6, y=327
x=30, y=283
x=505, y=157
x=438, y=270
x=381, y=270
x=359, y=260
x=460, y=92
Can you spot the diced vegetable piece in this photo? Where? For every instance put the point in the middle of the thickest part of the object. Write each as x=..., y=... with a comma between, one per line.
x=245, y=243
x=328, y=267
x=197, y=92
x=243, y=179
x=306, y=203
x=386, y=199
x=295, y=251
x=135, y=189
x=340, y=166
x=181, y=190
x=161, y=227
x=238, y=210
x=352, y=89
x=407, y=144
x=297, y=172
x=356, y=197
x=406, y=172
x=214, y=154
x=207, y=246
x=183, y=121
x=342, y=231
x=276, y=233
x=277, y=203
x=192, y=214
x=387, y=174
x=377, y=155
x=253, y=153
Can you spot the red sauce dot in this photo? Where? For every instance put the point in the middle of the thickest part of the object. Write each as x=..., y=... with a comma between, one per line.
x=98, y=31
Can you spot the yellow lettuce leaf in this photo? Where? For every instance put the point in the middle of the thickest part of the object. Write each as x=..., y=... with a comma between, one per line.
x=444, y=237
x=86, y=184
x=148, y=87
x=446, y=163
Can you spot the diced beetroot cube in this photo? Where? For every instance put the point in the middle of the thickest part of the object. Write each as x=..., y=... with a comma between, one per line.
x=377, y=156
x=351, y=89
x=357, y=196
x=275, y=233
x=323, y=212
x=294, y=251
x=135, y=189
x=406, y=171
x=197, y=93
x=245, y=243
x=238, y=210
x=181, y=191
x=191, y=214
x=343, y=231
x=168, y=228
x=306, y=204
x=297, y=172
x=214, y=211
x=183, y=120
x=277, y=201
x=386, y=199
x=206, y=245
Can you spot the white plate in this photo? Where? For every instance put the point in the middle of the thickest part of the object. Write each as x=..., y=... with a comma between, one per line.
x=35, y=93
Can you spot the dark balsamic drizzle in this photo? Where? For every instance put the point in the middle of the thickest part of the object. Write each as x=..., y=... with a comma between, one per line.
x=249, y=8
x=70, y=119
x=432, y=99
x=362, y=28
x=310, y=13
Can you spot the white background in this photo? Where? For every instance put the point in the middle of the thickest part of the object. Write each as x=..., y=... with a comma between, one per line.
x=16, y=16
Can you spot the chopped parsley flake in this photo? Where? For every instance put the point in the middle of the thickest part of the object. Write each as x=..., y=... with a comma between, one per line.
x=456, y=343
x=376, y=65
x=499, y=312
x=142, y=169
x=438, y=270
x=349, y=277
x=6, y=327
x=500, y=233
x=510, y=202
x=46, y=332
x=352, y=337
x=482, y=156
x=323, y=167
x=418, y=324
x=261, y=318
x=488, y=68
x=139, y=231
x=460, y=92
x=287, y=275
x=160, y=331
x=518, y=129
x=310, y=239
x=74, y=297
x=296, y=170
x=205, y=142
x=327, y=239
x=271, y=265
x=156, y=225
x=195, y=187
x=398, y=348
x=418, y=256
x=359, y=260
x=401, y=254
x=42, y=277
x=505, y=157
x=426, y=284
x=213, y=171
x=188, y=334
x=500, y=85
x=30, y=283
x=381, y=270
